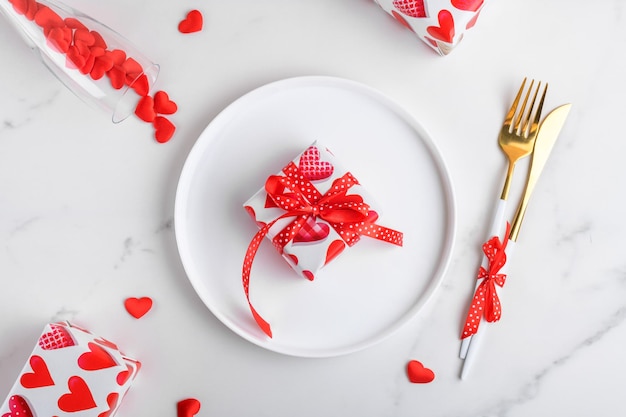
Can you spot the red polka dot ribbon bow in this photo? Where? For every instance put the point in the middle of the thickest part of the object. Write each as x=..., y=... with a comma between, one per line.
x=486, y=301
x=349, y=215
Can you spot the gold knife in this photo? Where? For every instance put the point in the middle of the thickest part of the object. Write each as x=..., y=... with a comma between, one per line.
x=547, y=135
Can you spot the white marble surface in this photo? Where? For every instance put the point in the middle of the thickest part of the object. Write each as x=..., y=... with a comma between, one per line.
x=86, y=209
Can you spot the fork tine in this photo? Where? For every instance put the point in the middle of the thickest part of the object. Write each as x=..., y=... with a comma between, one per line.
x=509, y=116
x=535, y=124
x=518, y=119
x=526, y=123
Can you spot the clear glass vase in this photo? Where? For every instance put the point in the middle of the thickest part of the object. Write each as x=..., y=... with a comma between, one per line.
x=96, y=63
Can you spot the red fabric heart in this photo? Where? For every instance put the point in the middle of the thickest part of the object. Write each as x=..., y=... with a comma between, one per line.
x=60, y=39
x=48, y=18
x=117, y=77
x=138, y=307
x=118, y=56
x=112, y=399
x=187, y=408
x=31, y=9
x=74, y=58
x=84, y=36
x=445, y=31
x=145, y=109
x=20, y=6
x=469, y=5
x=79, y=398
x=40, y=377
x=102, y=64
x=141, y=85
x=164, y=129
x=18, y=407
x=73, y=23
x=97, y=358
x=413, y=8
x=418, y=374
x=312, y=231
x=312, y=167
x=163, y=104
x=192, y=23
x=58, y=338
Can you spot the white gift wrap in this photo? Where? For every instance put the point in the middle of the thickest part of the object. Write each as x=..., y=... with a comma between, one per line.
x=311, y=249
x=441, y=24
x=71, y=372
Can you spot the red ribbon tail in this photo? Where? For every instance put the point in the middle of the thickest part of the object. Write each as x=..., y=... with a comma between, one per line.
x=265, y=326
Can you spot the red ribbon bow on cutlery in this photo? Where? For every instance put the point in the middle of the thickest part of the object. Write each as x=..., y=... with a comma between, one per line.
x=486, y=301
x=294, y=193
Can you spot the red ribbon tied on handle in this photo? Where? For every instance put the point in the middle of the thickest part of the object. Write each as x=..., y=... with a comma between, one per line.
x=486, y=301
x=347, y=213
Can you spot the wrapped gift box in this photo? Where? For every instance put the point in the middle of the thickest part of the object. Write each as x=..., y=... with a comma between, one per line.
x=317, y=242
x=439, y=23
x=71, y=372
x=311, y=211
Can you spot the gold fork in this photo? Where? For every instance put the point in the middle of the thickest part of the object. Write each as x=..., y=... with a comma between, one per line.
x=517, y=140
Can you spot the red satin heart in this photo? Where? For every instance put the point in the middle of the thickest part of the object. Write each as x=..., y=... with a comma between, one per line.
x=48, y=18
x=84, y=36
x=117, y=77
x=20, y=6
x=192, y=23
x=73, y=23
x=163, y=104
x=187, y=408
x=102, y=64
x=445, y=31
x=164, y=129
x=418, y=374
x=141, y=85
x=18, y=407
x=60, y=39
x=138, y=307
x=145, y=111
x=79, y=398
x=468, y=5
x=40, y=377
x=97, y=358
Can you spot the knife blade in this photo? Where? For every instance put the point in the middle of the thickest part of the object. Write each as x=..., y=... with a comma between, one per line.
x=547, y=135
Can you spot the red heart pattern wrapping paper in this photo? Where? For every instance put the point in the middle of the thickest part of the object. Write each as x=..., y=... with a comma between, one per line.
x=441, y=24
x=71, y=372
x=312, y=211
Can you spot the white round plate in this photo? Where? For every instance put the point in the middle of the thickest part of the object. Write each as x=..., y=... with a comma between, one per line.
x=372, y=288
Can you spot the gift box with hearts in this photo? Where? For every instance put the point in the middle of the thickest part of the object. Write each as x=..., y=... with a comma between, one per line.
x=312, y=211
x=71, y=372
x=439, y=23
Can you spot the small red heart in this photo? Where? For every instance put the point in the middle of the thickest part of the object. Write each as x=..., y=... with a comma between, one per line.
x=84, y=36
x=313, y=167
x=97, y=358
x=469, y=5
x=187, y=408
x=20, y=6
x=163, y=104
x=40, y=377
x=60, y=39
x=334, y=249
x=112, y=399
x=132, y=68
x=73, y=23
x=308, y=275
x=418, y=374
x=116, y=76
x=74, y=58
x=138, y=307
x=164, y=129
x=293, y=258
x=48, y=18
x=192, y=23
x=445, y=31
x=18, y=407
x=32, y=9
x=141, y=85
x=145, y=109
x=118, y=56
x=79, y=398
x=58, y=338
x=124, y=376
x=102, y=64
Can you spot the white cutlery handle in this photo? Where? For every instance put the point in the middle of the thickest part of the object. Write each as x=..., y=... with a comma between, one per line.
x=474, y=346
x=497, y=225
